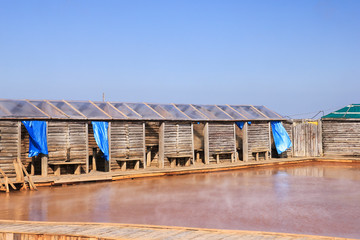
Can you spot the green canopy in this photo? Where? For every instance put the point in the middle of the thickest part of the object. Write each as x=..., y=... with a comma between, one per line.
x=350, y=111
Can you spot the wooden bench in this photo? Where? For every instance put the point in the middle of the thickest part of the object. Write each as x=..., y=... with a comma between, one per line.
x=57, y=167
x=173, y=158
x=260, y=150
x=122, y=163
x=218, y=153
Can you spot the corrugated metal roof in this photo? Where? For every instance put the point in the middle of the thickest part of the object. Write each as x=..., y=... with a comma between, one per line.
x=88, y=110
x=348, y=112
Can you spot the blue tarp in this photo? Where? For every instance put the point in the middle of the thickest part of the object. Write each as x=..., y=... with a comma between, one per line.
x=101, y=137
x=241, y=124
x=281, y=137
x=37, y=137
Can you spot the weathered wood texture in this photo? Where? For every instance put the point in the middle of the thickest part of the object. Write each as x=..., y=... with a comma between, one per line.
x=341, y=138
x=8, y=146
x=127, y=140
x=67, y=142
x=177, y=139
x=152, y=133
x=258, y=137
x=289, y=130
x=221, y=139
x=307, y=140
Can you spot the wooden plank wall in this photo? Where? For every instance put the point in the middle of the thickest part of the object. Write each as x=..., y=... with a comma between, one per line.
x=258, y=137
x=8, y=146
x=127, y=140
x=152, y=133
x=67, y=141
x=221, y=138
x=307, y=141
x=177, y=139
x=341, y=138
x=288, y=127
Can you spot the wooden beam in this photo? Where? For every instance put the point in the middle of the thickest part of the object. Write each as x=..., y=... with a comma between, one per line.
x=57, y=108
x=154, y=110
x=38, y=108
x=132, y=110
x=117, y=110
x=71, y=106
x=100, y=109
x=144, y=147
x=180, y=110
x=236, y=111
x=206, y=143
x=245, y=143
x=192, y=144
x=224, y=111
x=235, y=150
x=257, y=110
x=161, y=145
x=87, y=147
x=108, y=165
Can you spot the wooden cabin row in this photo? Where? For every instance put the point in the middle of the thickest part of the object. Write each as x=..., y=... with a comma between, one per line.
x=134, y=144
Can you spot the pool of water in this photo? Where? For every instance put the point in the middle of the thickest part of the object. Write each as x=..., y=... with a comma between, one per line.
x=314, y=198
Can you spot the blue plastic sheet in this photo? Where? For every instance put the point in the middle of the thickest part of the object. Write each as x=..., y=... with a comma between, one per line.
x=241, y=124
x=37, y=137
x=281, y=137
x=101, y=137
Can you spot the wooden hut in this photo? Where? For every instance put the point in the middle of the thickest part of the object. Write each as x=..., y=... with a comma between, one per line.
x=139, y=135
x=341, y=132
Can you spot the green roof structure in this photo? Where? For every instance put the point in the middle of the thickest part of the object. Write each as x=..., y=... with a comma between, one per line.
x=348, y=112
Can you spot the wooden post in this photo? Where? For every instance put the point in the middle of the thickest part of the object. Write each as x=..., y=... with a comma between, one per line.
x=148, y=157
x=44, y=158
x=161, y=145
x=192, y=144
x=320, y=139
x=269, y=140
x=144, y=147
x=206, y=143
x=235, y=155
x=44, y=165
x=245, y=143
x=87, y=147
x=94, y=159
x=18, y=177
x=108, y=164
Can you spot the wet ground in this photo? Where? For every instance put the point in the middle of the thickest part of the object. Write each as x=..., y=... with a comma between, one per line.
x=313, y=198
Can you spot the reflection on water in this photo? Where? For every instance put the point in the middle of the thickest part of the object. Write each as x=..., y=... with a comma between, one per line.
x=320, y=199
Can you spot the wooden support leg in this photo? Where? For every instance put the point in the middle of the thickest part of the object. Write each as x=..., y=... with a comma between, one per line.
x=123, y=166
x=44, y=166
x=77, y=169
x=57, y=170
x=94, y=159
x=148, y=158
x=32, y=166
x=217, y=159
x=266, y=155
x=187, y=163
x=172, y=162
x=257, y=156
x=137, y=164
x=198, y=157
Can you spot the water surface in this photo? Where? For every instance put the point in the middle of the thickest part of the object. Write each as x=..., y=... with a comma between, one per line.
x=315, y=198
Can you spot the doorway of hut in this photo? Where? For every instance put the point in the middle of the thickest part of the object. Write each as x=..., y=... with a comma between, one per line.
x=199, y=133
x=32, y=164
x=239, y=143
x=97, y=161
x=152, y=143
x=289, y=152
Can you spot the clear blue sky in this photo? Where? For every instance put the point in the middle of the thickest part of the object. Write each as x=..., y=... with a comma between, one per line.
x=292, y=56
